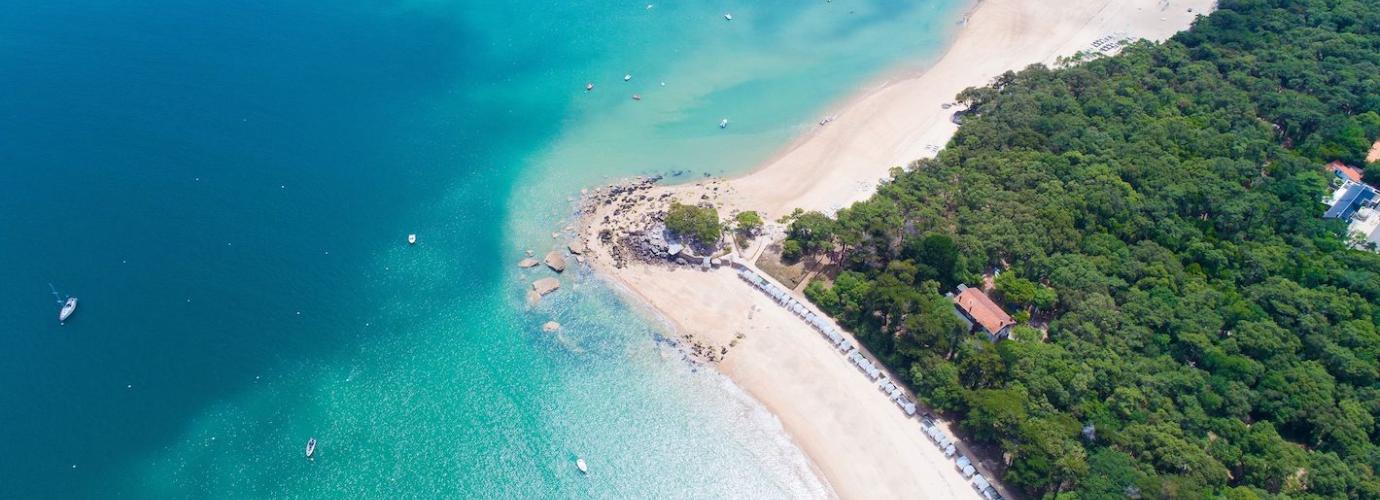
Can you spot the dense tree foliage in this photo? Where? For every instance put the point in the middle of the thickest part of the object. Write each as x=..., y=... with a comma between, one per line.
x=812, y=231
x=700, y=224
x=1157, y=212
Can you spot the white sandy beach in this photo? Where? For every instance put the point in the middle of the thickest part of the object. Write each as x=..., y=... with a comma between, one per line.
x=860, y=442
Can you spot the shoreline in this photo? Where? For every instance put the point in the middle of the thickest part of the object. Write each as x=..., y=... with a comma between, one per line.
x=642, y=304
x=899, y=73
x=858, y=441
x=897, y=117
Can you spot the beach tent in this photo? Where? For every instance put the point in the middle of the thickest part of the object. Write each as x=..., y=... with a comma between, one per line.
x=940, y=438
x=908, y=407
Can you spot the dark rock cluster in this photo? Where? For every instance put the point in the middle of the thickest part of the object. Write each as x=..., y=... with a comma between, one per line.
x=630, y=233
x=700, y=351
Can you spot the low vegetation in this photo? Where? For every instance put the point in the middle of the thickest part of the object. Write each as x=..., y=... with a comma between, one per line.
x=697, y=223
x=749, y=222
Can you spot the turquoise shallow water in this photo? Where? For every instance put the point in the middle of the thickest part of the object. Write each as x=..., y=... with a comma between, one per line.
x=227, y=188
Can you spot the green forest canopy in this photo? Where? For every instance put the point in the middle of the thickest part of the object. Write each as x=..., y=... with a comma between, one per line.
x=1159, y=212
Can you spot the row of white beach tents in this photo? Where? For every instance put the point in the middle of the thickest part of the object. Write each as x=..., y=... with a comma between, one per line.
x=964, y=465
x=835, y=337
x=874, y=373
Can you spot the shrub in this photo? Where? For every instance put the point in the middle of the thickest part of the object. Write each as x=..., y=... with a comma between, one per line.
x=791, y=251
x=694, y=222
x=749, y=222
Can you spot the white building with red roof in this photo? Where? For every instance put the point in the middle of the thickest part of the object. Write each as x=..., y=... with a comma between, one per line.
x=982, y=313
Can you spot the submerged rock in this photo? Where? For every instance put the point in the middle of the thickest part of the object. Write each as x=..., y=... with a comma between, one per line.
x=528, y=262
x=550, y=326
x=555, y=261
x=545, y=286
x=533, y=298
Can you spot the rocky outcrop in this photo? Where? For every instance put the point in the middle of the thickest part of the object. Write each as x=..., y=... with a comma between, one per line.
x=555, y=261
x=528, y=262
x=629, y=222
x=545, y=286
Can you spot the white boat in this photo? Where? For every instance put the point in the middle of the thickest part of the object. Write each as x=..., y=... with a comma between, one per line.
x=580, y=464
x=728, y=17
x=412, y=239
x=724, y=123
x=67, y=309
x=311, y=447
x=627, y=77
x=589, y=87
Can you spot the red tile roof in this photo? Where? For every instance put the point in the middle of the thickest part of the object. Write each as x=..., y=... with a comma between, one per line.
x=1349, y=172
x=987, y=313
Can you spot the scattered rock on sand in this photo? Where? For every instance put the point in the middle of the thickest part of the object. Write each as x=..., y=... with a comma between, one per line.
x=550, y=326
x=555, y=261
x=546, y=285
x=528, y=262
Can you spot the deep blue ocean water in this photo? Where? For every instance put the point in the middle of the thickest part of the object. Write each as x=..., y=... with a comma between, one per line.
x=227, y=187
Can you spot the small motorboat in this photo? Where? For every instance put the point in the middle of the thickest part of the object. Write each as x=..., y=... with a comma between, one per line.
x=412, y=239
x=724, y=123
x=580, y=464
x=728, y=17
x=67, y=309
x=637, y=97
x=589, y=87
x=627, y=77
x=311, y=447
